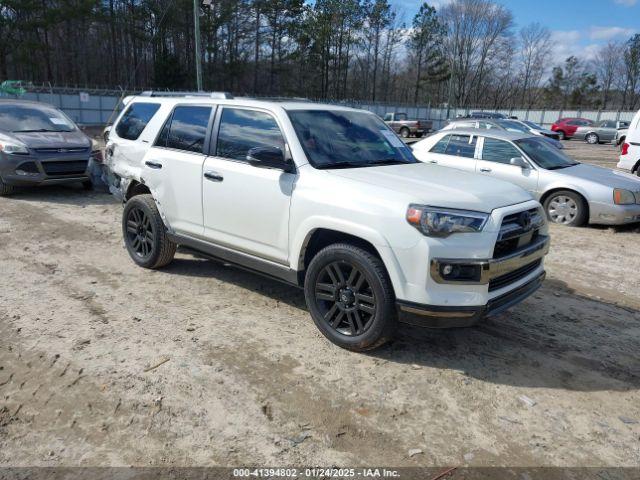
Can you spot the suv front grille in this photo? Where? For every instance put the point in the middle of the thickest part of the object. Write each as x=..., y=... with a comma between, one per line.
x=78, y=167
x=511, y=277
x=515, y=233
x=62, y=150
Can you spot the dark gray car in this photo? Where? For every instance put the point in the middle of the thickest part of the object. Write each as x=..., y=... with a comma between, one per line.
x=40, y=145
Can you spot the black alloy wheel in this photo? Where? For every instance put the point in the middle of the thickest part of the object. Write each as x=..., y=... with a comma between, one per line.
x=345, y=298
x=350, y=297
x=140, y=234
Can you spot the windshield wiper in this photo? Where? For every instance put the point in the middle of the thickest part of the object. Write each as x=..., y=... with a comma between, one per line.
x=390, y=161
x=328, y=166
x=559, y=167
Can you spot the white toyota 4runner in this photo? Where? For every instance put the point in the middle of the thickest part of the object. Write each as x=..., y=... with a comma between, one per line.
x=328, y=199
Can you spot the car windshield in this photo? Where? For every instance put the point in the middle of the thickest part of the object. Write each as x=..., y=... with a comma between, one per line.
x=544, y=154
x=533, y=125
x=512, y=126
x=346, y=139
x=28, y=118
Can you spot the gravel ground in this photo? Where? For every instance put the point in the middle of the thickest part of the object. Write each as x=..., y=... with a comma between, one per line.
x=103, y=363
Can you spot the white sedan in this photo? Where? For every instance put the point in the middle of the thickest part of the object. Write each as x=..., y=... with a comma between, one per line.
x=572, y=193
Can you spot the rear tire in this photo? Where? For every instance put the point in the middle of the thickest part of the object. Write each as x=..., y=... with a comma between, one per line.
x=5, y=189
x=419, y=135
x=145, y=234
x=565, y=207
x=350, y=297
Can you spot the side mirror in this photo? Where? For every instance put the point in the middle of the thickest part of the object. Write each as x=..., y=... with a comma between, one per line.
x=268, y=157
x=105, y=134
x=519, y=162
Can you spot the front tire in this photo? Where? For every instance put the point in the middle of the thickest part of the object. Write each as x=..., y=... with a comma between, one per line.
x=87, y=185
x=5, y=189
x=145, y=235
x=562, y=135
x=405, y=132
x=566, y=208
x=592, y=139
x=350, y=297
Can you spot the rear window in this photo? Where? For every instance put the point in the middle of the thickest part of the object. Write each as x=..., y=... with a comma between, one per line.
x=461, y=146
x=33, y=118
x=186, y=129
x=135, y=120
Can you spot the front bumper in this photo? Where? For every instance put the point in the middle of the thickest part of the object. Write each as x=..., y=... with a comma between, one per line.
x=436, y=316
x=491, y=269
x=609, y=214
x=33, y=170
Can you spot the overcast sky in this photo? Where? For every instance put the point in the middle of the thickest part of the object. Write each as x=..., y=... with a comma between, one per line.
x=578, y=26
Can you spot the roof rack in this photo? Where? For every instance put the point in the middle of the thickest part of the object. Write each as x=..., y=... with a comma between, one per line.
x=218, y=95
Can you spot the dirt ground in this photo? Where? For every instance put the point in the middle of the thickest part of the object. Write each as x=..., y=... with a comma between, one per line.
x=103, y=363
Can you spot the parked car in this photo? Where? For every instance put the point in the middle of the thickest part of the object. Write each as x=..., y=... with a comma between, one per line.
x=620, y=137
x=540, y=130
x=401, y=124
x=600, y=132
x=566, y=127
x=571, y=193
x=328, y=199
x=630, y=151
x=504, y=125
x=494, y=115
x=40, y=145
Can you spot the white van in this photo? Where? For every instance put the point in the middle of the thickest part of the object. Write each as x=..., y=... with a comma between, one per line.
x=630, y=151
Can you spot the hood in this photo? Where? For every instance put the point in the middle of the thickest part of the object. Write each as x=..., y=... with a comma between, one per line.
x=74, y=139
x=604, y=176
x=440, y=186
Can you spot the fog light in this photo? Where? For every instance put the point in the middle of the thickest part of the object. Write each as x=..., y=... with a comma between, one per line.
x=447, y=269
x=22, y=173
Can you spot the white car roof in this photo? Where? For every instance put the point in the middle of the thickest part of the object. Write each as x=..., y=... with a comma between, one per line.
x=490, y=133
x=270, y=104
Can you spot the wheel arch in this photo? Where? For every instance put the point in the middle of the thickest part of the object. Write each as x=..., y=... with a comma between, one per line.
x=136, y=188
x=322, y=236
x=551, y=191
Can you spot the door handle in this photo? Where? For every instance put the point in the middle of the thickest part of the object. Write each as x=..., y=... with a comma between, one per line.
x=213, y=176
x=433, y=161
x=485, y=170
x=154, y=165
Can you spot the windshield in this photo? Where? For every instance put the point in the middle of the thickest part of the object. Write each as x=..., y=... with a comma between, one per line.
x=544, y=154
x=512, y=126
x=33, y=118
x=345, y=139
x=533, y=125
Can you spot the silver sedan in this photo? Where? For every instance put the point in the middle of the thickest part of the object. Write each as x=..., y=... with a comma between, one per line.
x=572, y=193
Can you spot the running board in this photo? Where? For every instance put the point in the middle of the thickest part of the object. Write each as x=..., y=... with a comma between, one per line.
x=241, y=260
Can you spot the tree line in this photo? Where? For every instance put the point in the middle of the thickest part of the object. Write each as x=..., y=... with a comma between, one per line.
x=466, y=53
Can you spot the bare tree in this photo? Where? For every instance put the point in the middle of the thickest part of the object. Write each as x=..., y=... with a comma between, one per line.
x=535, y=48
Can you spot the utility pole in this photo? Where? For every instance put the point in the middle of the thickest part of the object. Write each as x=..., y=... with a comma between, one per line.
x=198, y=40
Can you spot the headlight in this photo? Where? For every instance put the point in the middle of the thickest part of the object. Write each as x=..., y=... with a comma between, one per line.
x=441, y=222
x=13, y=148
x=623, y=197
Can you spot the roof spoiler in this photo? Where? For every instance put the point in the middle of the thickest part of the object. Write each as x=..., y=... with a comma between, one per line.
x=217, y=95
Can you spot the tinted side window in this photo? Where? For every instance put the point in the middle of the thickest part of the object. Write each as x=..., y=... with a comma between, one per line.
x=441, y=146
x=135, y=120
x=242, y=130
x=461, y=146
x=188, y=129
x=498, y=151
